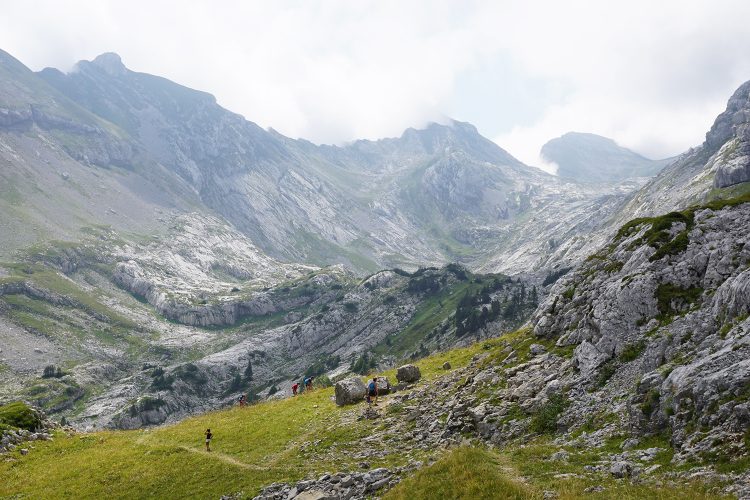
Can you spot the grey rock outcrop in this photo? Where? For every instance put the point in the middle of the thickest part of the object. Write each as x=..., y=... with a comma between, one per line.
x=662, y=312
x=352, y=485
x=588, y=358
x=384, y=385
x=730, y=135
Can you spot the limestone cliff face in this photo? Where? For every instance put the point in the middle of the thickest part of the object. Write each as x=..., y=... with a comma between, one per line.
x=663, y=310
x=731, y=135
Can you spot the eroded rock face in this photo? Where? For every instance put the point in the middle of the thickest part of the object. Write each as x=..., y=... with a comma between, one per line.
x=350, y=391
x=665, y=322
x=588, y=358
x=730, y=135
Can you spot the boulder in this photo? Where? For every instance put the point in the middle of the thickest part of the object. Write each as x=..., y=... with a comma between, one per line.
x=537, y=349
x=384, y=385
x=446, y=366
x=621, y=469
x=350, y=391
x=408, y=374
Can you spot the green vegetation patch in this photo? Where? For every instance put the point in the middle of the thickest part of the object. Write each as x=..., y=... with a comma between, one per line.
x=669, y=295
x=19, y=415
x=463, y=473
x=657, y=235
x=632, y=351
x=544, y=420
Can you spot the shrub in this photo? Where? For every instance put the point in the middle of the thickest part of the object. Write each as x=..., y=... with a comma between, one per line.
x=668, y=294
x=51, y=372
x=19, y=415
x=351, y=307
x=322, y=365
x=322, y=381
x=363, y=364
x=190, y=373
x=651, y=402
x=632, y=351
x=146, y=404
x=544, y=421
x=394, y=408
x=605, y=373
x=162, y=382
x=555, y=275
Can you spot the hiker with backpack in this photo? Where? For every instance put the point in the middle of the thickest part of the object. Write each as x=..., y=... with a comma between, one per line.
x=372, y=390
x=295, y=386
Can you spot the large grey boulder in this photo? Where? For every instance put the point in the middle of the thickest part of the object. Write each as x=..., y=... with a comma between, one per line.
x=350, y=391
x=408, y=374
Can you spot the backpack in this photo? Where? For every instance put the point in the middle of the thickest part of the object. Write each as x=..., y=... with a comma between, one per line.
x=372, y=386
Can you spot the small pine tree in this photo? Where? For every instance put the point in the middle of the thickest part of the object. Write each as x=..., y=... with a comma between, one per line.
x=249, y=370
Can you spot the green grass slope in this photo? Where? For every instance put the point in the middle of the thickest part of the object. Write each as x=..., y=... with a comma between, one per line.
x=463, y=473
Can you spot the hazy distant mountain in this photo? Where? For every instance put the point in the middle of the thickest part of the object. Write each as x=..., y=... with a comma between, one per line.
x=593, y=158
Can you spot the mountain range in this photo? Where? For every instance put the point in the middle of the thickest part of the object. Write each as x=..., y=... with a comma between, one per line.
x=156, y=245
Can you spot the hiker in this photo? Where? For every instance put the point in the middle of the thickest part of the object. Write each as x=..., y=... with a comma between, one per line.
x=372, y=390
x=308, y=383
x=243, y=400
x=294, y=388
x=208, y=439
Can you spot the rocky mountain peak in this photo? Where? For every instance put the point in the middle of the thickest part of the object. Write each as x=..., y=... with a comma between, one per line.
x=593, y=158
x=110, y=63
x=729, y=140
x=733, y=122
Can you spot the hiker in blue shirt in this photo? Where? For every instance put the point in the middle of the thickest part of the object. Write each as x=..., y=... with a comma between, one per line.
x=372, y=390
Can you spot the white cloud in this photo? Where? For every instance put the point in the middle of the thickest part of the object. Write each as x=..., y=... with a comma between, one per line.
x=652, y=75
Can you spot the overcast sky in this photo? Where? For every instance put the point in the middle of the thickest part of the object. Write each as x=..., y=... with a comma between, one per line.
x=650, y=74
